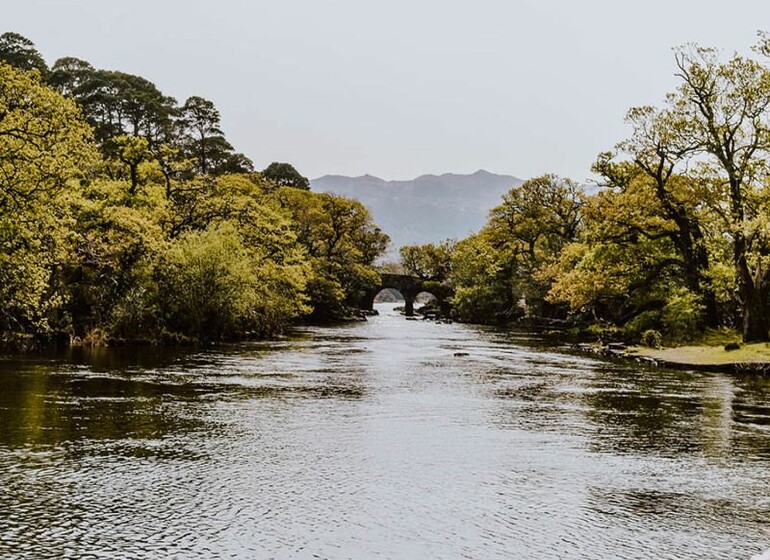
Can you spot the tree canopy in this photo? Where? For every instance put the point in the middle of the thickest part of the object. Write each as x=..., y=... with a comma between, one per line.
x=124, y=216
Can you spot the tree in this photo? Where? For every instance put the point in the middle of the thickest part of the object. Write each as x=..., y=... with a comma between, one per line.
x=673, y=204
x=532, y=225
x=44, y=147
x=21, y=53
x=117, y=103
x=284, y=175
x=430, y=262
x=521, y=241
x=483, y=278
x=723, y=110
x=625, y=266
x=342, y=243
x=205, y=141
x=132, y=151
x=213, y=285
x=43, y=139
x=69, y=74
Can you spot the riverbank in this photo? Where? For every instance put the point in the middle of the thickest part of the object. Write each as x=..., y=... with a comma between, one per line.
x=747, y=358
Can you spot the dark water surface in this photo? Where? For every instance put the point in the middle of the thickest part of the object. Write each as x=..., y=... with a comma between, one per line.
x=375, y=440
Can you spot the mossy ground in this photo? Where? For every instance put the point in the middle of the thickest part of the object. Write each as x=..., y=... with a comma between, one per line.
x=710, y=350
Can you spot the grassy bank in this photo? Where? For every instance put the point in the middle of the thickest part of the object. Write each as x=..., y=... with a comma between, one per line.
x=706, y=355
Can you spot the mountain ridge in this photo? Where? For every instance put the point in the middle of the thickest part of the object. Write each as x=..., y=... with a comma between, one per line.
x=426, y=209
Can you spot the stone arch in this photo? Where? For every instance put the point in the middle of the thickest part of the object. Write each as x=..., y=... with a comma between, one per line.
x=409, y=287
x=387, y=295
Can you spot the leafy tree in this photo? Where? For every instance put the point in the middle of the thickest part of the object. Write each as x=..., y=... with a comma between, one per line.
x=131, y=151
x=624, y=264
x=206, y=142
x=117, y=237
x=19, y=52
x=284, y=175
x=483, y=279
x=214, y=286
x=531, y=227
x=649, y=200
x=522, y=241
x=117, y=103
x=69, y=74
x=342, y=244
x=43, y=139
x=432, y=262
x=44, y=148
x=723, y=110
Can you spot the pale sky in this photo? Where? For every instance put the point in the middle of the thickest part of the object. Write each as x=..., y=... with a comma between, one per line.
x=399, y=88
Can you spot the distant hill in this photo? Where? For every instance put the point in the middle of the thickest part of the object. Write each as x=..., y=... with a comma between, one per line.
x=426, y=209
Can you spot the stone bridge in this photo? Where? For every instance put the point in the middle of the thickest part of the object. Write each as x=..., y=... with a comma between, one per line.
x=409, y=287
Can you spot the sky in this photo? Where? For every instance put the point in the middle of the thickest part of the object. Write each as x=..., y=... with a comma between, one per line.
x=401, y=88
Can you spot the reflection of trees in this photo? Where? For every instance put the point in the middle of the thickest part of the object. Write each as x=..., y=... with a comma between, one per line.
x=644, y=411
x=672, y=413
x=40, y=405
x=751, y=415
x=718, y=393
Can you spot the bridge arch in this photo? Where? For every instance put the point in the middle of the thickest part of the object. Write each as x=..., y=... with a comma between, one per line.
x=409, y=287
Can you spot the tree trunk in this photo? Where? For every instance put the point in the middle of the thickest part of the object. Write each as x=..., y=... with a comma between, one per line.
x=753, y=306
x=754, y=319
x=710, y=309
x=134, y=178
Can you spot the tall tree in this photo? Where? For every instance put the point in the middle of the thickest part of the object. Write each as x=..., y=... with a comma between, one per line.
x=724, y=110
x=206, y=143
x=521, y=242
x=69, y=74
x=21, y=53
x=44, y=146
x=431, y=261
x=116, y=103
x=43, y=139
x=284, y=175
x=660, y=152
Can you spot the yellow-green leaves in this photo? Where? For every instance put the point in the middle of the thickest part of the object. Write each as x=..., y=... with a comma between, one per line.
x=44, y=141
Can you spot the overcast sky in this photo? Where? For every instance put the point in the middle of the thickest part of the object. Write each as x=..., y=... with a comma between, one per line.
x=398, y=88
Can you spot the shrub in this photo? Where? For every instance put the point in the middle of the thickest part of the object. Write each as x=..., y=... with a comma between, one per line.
x=682, y=316
x=651, y=338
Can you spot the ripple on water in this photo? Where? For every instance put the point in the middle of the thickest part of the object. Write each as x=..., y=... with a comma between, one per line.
x=375, y=440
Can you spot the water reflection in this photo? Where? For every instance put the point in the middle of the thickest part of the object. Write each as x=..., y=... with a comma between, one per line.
x=390, y=439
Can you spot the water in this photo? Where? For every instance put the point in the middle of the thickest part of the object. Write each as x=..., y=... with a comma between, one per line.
x=375, y=440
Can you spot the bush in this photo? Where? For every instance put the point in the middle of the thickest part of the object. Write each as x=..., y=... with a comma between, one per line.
x=651, y=338
x=605, y=332
x=645, y=321
x=682, y=316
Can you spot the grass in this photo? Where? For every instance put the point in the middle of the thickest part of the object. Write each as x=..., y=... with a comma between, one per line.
x=710, y=351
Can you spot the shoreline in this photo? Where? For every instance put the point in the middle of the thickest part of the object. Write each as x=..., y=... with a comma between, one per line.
x=664, y=358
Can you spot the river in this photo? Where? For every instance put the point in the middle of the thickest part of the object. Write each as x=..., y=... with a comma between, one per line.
x=384, y=439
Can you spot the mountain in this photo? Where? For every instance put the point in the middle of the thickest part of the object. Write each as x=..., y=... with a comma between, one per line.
x=427, y=209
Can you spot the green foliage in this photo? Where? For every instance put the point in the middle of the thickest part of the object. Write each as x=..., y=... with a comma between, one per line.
x=284, y=175
x=645, y=321
x=212, y=286
x=43, y=140
x=117, y=236
x=682, y=317
x=651, y=339
x=204, y=141
x=161, y=237
x=19, y=52
x=429, y=261
x=342, y=244
x=44, y=147
x=511, y=260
